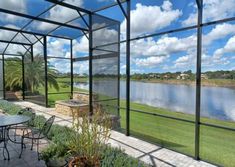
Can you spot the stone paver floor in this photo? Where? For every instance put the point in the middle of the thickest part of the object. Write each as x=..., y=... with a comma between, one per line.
x=149, y=153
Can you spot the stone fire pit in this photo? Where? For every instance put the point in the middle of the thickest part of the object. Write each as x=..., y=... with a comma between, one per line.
x=67, y=107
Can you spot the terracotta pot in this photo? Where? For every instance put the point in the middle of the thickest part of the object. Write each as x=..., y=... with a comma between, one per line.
x=83, y=162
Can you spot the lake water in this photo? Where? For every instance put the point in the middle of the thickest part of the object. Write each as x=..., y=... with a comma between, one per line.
x=216, y=102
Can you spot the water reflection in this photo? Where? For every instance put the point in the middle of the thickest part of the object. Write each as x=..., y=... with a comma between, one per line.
x=216, y=102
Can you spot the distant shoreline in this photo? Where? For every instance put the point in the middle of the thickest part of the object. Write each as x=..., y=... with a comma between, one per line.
x=208, y=82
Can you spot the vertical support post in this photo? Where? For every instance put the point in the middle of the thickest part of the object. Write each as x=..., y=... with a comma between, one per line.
x=45, y=60
x=128, y=68
x=198, y=80
x=23, y=78
x=31, y=51
x=3, y=77
x=118, y=108
x=90, y=65
x=71, y=65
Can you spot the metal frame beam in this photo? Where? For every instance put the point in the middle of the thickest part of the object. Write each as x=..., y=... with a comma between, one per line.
x=41, y=19
x=45, y=62
x=106, y=7
x=69, y=6
x=71, y=66
x=90, y=65
x=122, y=9
x=23, y=77
x=198, y=81
x=13, y=42
x=128, y=31
x=118, y=75
x=3, y=76
x=30, y=32
x=26, y=38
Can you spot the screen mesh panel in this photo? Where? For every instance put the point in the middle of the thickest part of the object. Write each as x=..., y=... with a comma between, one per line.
x=34, y=68
x=105, y=64
x=13, y=77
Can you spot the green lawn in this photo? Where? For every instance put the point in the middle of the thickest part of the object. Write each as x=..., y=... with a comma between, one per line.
x=216, y=145
x=64, y=85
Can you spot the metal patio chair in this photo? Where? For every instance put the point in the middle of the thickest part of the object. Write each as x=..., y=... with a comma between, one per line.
x=27, y=126
x=37, y=134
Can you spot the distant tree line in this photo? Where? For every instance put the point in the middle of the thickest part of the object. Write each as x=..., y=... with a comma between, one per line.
x=189, y=75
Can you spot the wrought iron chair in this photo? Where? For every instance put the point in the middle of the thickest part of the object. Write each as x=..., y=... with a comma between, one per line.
x=37, y=134
x=24, y=127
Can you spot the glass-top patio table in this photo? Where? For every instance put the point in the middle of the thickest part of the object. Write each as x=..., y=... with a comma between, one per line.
x=5, y=122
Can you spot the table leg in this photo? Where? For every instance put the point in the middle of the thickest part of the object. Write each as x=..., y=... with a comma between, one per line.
x=5, y=140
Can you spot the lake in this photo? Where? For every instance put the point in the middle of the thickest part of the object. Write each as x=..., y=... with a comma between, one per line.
x=216, y=102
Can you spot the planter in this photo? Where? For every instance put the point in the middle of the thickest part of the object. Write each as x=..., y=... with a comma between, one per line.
x=83, y=162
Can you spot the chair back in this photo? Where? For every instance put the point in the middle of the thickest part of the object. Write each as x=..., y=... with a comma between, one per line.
x=47, y=126
x=30, y=113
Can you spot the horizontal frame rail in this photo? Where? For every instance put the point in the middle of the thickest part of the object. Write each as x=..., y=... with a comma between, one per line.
x=41, y=19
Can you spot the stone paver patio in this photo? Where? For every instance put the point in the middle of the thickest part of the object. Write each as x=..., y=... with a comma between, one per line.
x=149, y=153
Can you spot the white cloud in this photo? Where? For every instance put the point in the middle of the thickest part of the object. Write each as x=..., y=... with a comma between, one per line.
x=56, y=47
x=81, y=67
x=102, y=36
x=213, y=10
x=61, y=65
x=147, y=19
x=60, y=14
x=228, y=48
x=169, y=45
x=218, y=32
x=191, y=20
x=230, y=45
x=19, y=6
x=164, y=46
x=150, y=61
x=81, y=45
x=13, y=49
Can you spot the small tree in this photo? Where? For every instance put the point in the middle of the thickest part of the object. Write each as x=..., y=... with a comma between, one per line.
x=34, y=73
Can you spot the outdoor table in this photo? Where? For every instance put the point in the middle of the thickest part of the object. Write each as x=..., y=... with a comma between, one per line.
x=5, y=122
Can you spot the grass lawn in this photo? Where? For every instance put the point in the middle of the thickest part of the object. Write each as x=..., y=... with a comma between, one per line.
x=64, y=85
x=216, y=145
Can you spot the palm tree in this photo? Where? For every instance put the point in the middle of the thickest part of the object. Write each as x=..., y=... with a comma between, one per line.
x=34, y=73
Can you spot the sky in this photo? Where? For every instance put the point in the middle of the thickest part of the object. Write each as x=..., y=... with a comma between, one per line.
x=171, y=52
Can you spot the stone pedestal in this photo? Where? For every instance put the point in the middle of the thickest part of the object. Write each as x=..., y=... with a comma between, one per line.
x=68, y=109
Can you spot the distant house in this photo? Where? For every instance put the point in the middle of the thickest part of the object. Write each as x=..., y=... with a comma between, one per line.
x=154, y=76
x=204, y=76
x=166, y=76
x=183, y=76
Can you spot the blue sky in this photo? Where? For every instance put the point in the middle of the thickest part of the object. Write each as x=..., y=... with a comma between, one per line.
x=172, y=52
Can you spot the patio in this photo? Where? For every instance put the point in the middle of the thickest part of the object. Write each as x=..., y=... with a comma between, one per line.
x=149, y=153
x=163, y=72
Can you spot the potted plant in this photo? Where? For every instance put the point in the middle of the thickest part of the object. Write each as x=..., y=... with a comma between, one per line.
x=86, y=145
